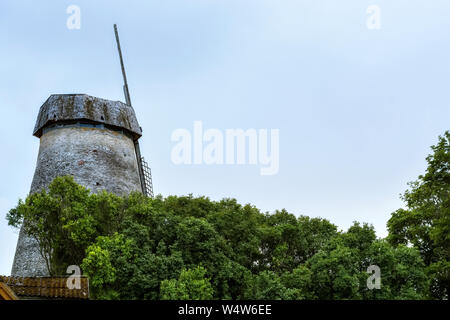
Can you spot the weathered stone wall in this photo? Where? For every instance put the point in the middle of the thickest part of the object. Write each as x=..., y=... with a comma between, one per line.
x=97, y=158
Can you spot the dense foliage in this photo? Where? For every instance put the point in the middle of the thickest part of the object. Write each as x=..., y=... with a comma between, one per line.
x=133, y=247
x=425, y=223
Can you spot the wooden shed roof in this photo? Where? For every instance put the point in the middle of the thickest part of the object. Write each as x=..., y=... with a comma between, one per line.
x=46, y=287
x=6, y=292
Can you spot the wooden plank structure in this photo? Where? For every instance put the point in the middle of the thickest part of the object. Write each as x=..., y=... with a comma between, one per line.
x=6, y=292
x=45, y=287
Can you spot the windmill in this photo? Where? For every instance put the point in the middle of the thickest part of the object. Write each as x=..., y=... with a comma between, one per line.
x=95, y=141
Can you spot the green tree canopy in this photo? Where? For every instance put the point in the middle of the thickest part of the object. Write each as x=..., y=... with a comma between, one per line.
x=192, y=284
x=134, y=247
x=425, y=223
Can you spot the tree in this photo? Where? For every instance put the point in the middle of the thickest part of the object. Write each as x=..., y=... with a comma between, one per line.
x=97, y=265
x=298, y=283
x=314, y=234
x=104, y=264
x=403, y=273
x=339, y=270
x=266, y=286
x=240, y=226
x=135, y=247
x=192, y=284
x=58, y=219
x=426, y=222
x=335, y=273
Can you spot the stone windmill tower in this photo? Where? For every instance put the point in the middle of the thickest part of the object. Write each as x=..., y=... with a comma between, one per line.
x=95, y=141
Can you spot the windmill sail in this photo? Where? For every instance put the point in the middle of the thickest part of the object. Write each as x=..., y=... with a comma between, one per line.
x=145, y=173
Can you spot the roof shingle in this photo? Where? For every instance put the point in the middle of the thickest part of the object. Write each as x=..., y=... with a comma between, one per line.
x=47, y=287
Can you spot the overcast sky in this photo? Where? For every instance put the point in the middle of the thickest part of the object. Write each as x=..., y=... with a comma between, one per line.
x=357, y=108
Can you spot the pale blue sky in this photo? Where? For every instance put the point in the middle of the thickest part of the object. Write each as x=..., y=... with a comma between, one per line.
x=357, y=109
